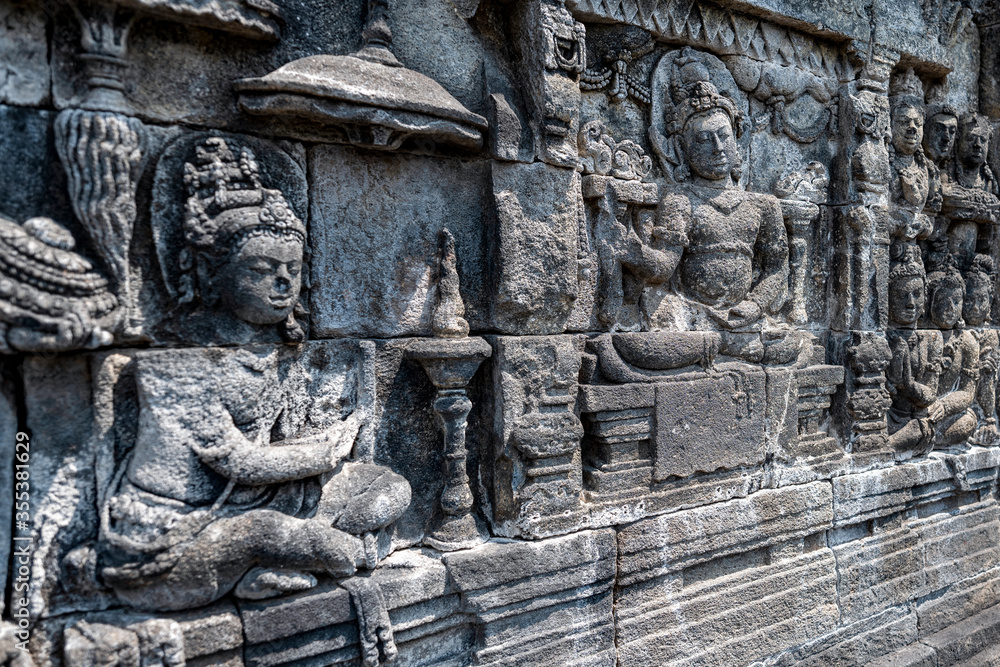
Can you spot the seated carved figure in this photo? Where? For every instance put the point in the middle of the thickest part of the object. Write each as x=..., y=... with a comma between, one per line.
x=217, y=492
x=913, y=375
x=728, y=246
x=952, y=412
x=976, y=312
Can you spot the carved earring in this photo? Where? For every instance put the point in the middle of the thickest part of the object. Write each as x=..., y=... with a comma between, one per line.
x=209, y=295
x=290, y=329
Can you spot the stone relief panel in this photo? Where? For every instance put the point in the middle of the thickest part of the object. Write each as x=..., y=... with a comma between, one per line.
x=485, y=332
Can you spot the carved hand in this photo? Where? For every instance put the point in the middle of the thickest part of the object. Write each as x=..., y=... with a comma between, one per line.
x=342, y=437
x=937, y=411
x=744, y=313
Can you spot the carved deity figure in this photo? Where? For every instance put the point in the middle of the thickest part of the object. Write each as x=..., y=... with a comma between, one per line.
x=242, y=264
x=913, y=179
x=952, y=412
x=912, y=376
x=729, y=246
x=218, y=490
x=976, y=311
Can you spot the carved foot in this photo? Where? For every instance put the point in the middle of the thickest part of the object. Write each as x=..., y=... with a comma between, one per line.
x=260, y=583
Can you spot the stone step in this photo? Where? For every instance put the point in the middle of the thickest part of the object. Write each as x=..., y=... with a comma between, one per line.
x=971, y=642
x=988, y=658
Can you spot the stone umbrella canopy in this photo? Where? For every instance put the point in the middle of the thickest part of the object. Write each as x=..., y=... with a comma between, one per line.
x=365, y=98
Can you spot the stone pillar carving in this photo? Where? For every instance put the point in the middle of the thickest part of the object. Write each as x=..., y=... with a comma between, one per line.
x=552, y=54
x=800, y=194
x=450, y=361
x=450, y=364
x=867, y=356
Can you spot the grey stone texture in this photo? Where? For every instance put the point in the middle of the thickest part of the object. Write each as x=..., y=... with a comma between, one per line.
x=499, y=332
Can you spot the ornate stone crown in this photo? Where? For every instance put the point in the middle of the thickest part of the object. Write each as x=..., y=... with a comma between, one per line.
x=692, y=92
x=907, y=265
x=227, y=203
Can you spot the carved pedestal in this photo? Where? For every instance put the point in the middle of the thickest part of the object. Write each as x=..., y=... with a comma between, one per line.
x=450, y=364
x=799, y=216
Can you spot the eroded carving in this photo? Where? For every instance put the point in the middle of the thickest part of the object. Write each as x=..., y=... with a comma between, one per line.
x=553, y=55
x=729, y=246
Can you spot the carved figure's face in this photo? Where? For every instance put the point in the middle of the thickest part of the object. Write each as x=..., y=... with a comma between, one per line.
x=972, y=146
x=710, y=145
x=977, y=304
x=946, y=307
x=906, y=300
x=260, y=284
x=939, y=139
x=907, y=129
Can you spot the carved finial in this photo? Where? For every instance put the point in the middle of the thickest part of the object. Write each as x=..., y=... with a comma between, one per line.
x=448, y=321
x=907, y=85
x=377, y=35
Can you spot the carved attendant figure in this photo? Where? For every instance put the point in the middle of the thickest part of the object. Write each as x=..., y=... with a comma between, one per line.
x=217, y=490
x=952, y=412
x=976, y=311
x=939, y=136
x=730, y=244
x=912, y=376
x=911, y=178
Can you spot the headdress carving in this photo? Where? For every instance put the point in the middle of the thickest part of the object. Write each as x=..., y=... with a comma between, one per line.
x=907, y=264
x=974, y=121
x=692, y=92
x=981, y=270
x=906, y=89
x=684, y=90
x=945, y=276
x=227, y=204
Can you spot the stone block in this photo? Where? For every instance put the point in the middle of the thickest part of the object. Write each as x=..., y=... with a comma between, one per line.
x=24, y=54
x=731, y=610
x=547, y=602
x=669, y=543
x=374, y=258
x=534, y=237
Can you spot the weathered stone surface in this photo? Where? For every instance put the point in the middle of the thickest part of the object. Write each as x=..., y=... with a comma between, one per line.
x=23, y=54
x=533, y=247
x=368, y=254
x=454, y=332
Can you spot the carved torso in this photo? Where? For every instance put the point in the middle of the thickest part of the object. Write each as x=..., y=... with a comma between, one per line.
x=914, y=375
x=725, y=232
x=193, y=404
x=911, y=184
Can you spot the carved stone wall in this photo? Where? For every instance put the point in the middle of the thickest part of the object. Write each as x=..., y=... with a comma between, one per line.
x=499, y=332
